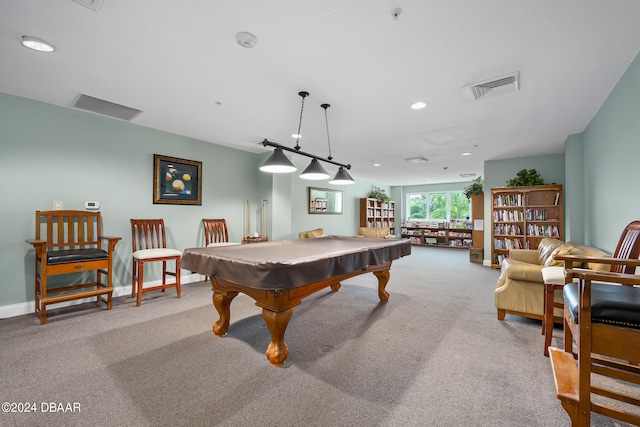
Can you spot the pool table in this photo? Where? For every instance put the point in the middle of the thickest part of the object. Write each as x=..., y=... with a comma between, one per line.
x=278, y=274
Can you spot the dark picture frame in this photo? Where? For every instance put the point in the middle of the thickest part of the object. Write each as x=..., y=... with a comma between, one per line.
x=176, y=181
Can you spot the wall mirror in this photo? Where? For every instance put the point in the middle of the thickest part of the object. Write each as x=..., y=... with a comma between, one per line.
x=325, y=201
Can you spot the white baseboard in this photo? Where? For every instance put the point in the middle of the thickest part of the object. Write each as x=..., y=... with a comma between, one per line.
x=486, y=262
x=28, y=307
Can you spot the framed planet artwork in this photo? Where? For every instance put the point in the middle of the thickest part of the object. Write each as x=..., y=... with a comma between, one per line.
x=176, y=181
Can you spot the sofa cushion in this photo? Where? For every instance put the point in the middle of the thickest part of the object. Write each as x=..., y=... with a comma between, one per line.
x=595, y=252
x=546, y=248
x=565, y=249
x=311, y=234
x=376, y=233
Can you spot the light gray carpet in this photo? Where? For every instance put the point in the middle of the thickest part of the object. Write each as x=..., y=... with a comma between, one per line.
x=434, y=355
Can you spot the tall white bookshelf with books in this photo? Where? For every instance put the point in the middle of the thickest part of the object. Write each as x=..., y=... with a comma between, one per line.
x=522, y=216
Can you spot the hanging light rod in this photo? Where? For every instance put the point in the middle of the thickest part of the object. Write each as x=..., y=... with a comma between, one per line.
x=268, y=143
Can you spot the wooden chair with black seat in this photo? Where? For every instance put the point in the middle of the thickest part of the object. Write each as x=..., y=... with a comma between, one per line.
x=624, y=260
x=71, y=241
x=602, y=316
x=149, y=244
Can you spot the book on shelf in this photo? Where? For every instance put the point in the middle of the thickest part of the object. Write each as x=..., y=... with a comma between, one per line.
x=508, y=200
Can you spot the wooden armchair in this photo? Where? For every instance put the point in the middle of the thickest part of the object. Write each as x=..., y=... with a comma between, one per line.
x=69, y=241
x=624, y=260
x=603, y=319
x=150, y=245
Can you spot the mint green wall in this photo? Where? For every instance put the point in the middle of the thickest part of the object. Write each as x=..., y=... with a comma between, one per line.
x=574, y=230
x=52, y=153
x=611, y=152
x=341, y=225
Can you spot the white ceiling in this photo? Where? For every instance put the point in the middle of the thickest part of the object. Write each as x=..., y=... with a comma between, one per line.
x=179, y=62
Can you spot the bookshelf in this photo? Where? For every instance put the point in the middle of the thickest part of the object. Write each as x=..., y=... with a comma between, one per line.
x=376, y=214
x=439, y=233
x=522, y=216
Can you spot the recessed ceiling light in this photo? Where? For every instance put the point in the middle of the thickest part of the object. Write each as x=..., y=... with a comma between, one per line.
x=418, y=105
x=246, y=39
x=466, y=153
x=37, y=44
x=376, y=164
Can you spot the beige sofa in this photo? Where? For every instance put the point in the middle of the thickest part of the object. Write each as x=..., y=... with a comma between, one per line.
x=375, y=233
x=520, y=288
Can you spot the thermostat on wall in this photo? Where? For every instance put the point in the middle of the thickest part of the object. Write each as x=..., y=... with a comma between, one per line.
x=92, y=206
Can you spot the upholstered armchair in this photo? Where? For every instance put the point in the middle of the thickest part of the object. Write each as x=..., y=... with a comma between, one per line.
x=520, y=288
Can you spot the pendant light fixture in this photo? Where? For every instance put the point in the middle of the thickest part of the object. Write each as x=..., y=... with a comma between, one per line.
x=279, y=163
x=314, y=171
x=342, y=176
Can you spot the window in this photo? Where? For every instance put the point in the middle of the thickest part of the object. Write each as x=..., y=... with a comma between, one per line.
x=445, y=205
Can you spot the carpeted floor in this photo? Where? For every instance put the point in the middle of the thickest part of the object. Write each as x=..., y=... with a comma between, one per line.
x=435, y=354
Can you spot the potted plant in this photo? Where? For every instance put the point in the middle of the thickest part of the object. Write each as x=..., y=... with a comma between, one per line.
x=475, y=189
x=379, y=194
x=526, y=178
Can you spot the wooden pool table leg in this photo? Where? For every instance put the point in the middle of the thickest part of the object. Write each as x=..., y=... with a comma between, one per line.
x=222, y=303
x=277, y=322
x=383, y=279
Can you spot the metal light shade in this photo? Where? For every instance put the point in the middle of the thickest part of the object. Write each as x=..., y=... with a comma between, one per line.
x=315, y=171
x=342, y=178
x=278, y=163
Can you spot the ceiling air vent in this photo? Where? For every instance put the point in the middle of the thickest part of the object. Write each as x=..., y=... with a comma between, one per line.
x=105, y=108
x=496, y=86
x=91, y=4
x=414, y=160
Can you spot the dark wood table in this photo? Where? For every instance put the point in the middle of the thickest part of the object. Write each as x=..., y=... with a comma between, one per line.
x=279, y=274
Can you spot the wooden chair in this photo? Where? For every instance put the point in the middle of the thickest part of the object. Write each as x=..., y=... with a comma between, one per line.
x=624, y=260
x=604, y=320
x=216, y=233
x=69, y=241
x=150, y=245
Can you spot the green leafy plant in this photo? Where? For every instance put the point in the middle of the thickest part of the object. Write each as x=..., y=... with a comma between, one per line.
x=378, y=194
x=526, y=178
x=476, y=188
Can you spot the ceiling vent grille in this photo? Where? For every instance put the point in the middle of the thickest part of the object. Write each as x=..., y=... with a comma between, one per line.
x=105, y=108
x=94, y=5
x=496, y=86
x=415, y=160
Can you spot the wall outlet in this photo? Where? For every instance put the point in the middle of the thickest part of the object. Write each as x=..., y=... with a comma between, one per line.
x=57, y=205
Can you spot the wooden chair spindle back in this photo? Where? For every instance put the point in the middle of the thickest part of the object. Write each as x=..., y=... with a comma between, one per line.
x=215, y=230
x=148, y=234
x=66, y=228
x=628, y=248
